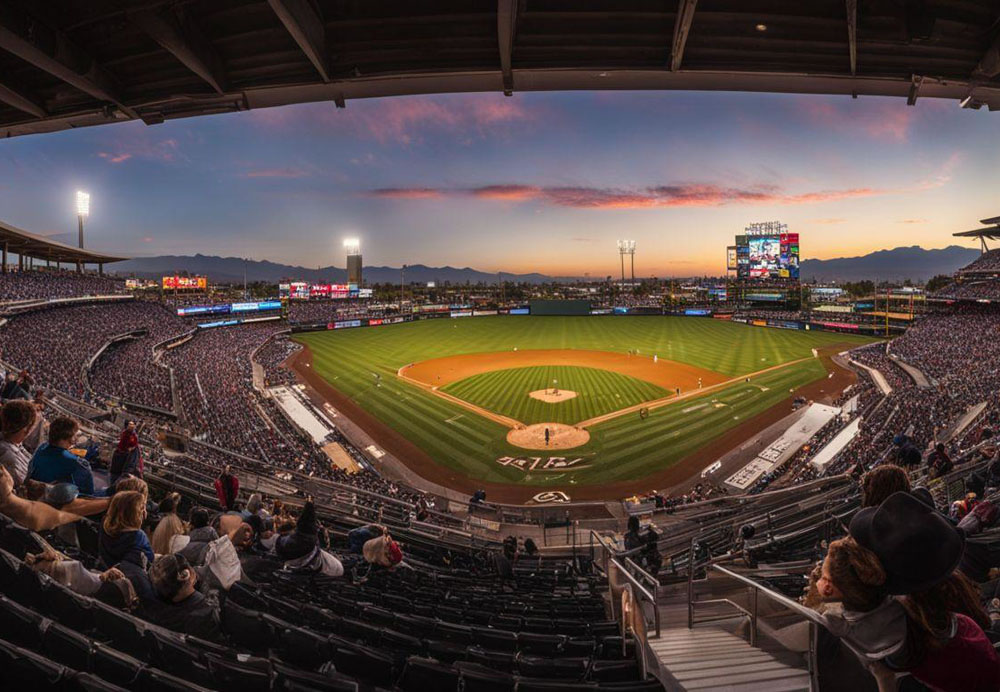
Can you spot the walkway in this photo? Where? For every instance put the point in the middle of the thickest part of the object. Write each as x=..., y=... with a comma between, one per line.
x=877, y=376
x=918, y=377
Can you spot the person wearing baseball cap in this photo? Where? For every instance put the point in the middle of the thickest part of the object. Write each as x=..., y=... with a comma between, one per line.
x=946, y=647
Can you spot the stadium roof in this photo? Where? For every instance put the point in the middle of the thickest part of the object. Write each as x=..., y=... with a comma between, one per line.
x=31, y=245
x=991, y=232
x=67, y=64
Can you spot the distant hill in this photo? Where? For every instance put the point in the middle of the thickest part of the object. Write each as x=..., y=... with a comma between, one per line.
x=230, y=269
x=897, y=264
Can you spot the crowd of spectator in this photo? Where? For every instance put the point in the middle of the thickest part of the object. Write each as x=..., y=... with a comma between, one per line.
x=987, y=262
x=319, y=311
x=51, y=283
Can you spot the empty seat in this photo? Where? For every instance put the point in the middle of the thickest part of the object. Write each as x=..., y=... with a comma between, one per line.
x=68, y=608
x=420, y=674
x=626, y=670
x=246, y=628
x=379, y=616
x=497, y=660
x=170, y=651
x=494, y=639
x=506, y=622
x=460, y=634
x=649, y=685
x=293, y=680
x=155, y=680
x=19, y=541
x=536, y=685
x=365, y=663
x=479, y=678
x=580, y=648
x=66, y=646
x=86, y=682
x=559, y=668
x=304, y=648
x=27, y=587
x=449, y=652
x=113, y=665
x=20, y=625
x=611, y=648
x=128, y=634
x=22, y=667
x=541, y=644
x=230, y=675
x=410, y=646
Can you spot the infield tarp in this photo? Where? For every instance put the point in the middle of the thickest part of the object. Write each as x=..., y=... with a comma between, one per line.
x=560, y=307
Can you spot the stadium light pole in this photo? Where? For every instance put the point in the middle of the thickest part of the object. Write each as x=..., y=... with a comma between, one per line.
x=82, y=211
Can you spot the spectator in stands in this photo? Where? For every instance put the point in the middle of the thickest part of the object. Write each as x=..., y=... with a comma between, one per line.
x=356, y=538
x=121, y=536
x=12, y=388
x=849, y=590
x=169, y=526
x=54, y=463
x=227, y=487
x=110, y=586
x=127, y=457
x=300, y=550
x=199, y=536
x=383, y=552
x=37, y=516
x=881, y=482
x=17, y=418
x=938, y=462
x=255, y=507
x=633, y=537
x=182, y=607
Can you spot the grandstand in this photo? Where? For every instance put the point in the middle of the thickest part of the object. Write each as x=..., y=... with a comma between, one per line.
x=471, y=612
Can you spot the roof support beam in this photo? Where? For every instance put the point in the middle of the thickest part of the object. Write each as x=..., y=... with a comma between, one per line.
x=852, y=33
x=20, y=102
x=506, y=27
x=51, y=51
x=989, y=66
x=185, y=43
x=303, y=21
x=682, y=27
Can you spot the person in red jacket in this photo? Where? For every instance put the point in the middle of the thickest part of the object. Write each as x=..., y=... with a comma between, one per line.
x=227, y=487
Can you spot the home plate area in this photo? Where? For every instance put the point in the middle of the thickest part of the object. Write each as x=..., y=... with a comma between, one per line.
x=560, y=436
x=552, y=396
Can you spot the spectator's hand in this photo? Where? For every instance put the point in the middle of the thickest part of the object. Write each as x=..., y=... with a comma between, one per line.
x=113, y=574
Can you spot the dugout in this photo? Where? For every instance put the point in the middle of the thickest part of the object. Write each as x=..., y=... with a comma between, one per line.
x=560, y=307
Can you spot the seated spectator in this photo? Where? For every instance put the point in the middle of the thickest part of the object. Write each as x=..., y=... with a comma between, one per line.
x=121, y=536
x=54, y=463
x=181, y=607
x=881, y=482
x=938, y=462
x=169, y=526
x=356, y=538
x=12, y=389
x=383, y=551
x=127, y=457
x=227, y=487
x=301, y=552
x=17, y=418
x=945, y=647
x=110, y=586
x=255, y=507
x=633, y=537
x=199, y=537
x=849, y=590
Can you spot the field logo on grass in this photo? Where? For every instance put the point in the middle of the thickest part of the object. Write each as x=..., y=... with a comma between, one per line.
x=543, y=463
x=550, y=496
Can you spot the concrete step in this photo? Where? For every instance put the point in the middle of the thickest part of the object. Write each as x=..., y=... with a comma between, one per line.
x=710, y=658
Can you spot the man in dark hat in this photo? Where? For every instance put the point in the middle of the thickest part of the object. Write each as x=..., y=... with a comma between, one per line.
x=300, y=549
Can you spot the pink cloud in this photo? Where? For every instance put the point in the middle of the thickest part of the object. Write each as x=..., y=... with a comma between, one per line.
x=875, y=119
x=114, y=158
x=660, y=196
x=404, y=120
x=276, y=173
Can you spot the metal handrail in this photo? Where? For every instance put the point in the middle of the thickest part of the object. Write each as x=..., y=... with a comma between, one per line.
x=637, y=586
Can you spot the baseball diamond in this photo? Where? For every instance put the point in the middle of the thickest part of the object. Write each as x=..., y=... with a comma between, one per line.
x=451, y=391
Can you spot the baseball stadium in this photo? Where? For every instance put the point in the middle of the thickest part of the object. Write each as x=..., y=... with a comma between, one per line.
x=499, y=346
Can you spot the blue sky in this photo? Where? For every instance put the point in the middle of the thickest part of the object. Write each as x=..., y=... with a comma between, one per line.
x=535, y=182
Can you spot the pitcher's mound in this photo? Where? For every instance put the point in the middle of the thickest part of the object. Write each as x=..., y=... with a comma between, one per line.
x=552, y=396
x=560, y=436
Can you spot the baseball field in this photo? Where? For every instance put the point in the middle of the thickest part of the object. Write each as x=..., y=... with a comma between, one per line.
x=622, y=398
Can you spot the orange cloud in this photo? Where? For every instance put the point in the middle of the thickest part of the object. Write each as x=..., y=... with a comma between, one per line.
x=114, y=158
x=408, y=192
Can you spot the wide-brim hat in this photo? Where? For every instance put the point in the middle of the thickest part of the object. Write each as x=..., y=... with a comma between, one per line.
x=917, y=546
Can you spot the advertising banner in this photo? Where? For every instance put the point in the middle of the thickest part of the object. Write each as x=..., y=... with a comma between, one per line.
x=185, y=283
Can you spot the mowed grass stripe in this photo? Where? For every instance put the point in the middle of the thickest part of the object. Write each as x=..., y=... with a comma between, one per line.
x=507, y=392
x=348, y=359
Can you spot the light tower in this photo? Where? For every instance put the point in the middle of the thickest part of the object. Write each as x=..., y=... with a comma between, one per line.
x=82, y=211
x=627, y=247
x=352, y=246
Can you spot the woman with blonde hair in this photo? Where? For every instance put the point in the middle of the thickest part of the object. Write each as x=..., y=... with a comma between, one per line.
x=121, y=536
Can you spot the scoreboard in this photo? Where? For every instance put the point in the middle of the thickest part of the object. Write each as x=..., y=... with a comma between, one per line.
x=765, y=251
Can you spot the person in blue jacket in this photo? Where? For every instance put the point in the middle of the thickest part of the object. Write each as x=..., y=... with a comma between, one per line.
x=54, y=463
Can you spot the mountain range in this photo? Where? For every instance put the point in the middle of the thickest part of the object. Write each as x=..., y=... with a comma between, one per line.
x=897, y=264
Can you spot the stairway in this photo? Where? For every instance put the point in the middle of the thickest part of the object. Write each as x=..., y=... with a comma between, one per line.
x=710, y=658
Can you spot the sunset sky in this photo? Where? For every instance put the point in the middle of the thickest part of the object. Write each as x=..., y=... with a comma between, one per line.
x=536, y=182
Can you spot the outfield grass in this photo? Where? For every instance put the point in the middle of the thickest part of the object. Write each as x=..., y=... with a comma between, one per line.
x=597, y=392
x=619, y=449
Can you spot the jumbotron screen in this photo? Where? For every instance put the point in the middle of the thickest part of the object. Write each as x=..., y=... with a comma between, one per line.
x=768, y=251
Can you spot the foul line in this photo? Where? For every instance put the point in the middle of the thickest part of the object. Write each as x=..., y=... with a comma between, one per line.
x=649, y=405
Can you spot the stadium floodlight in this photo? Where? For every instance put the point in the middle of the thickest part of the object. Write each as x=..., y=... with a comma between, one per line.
x=352, y=246
x=82, y=203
